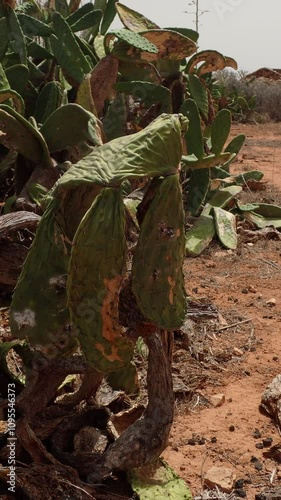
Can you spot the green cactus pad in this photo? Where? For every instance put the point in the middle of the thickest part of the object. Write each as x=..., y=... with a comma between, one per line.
x=225, y=223
x=200, y=235
x=221, y=198
x=158, y=481
x=95, y=275
x=220, y=130
x=23, y=137
x=191, y=161
x=67, y=51
x=236, y=144
x=157, y=277
x=193, y=136
x=133, y=20
x=170, y=46
x=242, y=179
x=33, y=27
x=48, y=101
x=263, y=209
x=198, y=188
x=132, y=39
x=199, y=94
x=234, y=147
x=261, y=222
x=38, y=310
x=18, y=42
x=108, y=16
x=90, y=20
x=153, y=152
x=77, y=14
x=82, y=126
x=87, y=50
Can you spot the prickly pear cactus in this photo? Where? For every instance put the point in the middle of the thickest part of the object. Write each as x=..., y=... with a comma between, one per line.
x=39, y=311
x=95, y=276
x=157, y=277
x=68, y=292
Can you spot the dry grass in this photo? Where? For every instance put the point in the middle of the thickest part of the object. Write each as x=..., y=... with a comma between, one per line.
x=215, y=495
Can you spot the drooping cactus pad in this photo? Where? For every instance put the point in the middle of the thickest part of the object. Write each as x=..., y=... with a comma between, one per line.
x=157, y=276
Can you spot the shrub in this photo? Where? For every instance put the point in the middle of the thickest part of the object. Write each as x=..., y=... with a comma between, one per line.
x=267, y=92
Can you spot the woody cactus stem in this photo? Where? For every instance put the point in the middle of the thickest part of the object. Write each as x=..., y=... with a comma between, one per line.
x=145, y=440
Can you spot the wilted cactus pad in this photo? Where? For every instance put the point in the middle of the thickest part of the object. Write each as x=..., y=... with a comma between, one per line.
x=158, y=282
x=153, y=152
x=95, y=276
x=38, y=309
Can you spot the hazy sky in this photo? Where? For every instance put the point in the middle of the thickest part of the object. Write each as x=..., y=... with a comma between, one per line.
x=248, y=30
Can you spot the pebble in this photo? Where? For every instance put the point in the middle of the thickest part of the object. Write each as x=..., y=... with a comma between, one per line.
x=217, y=400
x=271, y=302
x=259, y=446
x=267, y=442
x=220, y=477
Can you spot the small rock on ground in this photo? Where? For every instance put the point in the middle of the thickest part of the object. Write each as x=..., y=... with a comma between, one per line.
x=217, y=400
x=220, y=477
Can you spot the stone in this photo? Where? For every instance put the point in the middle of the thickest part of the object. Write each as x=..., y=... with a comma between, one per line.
x=217, y=400
x=271, y=302
x=220, y=477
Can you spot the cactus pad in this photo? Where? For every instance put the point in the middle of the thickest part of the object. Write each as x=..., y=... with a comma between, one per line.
x=133, y=39
x=95, y=276
x=157, y=278
x=153, y=152
x=38, y=310
x=133, y=20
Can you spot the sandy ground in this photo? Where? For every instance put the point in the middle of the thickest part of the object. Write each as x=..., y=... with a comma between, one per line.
x=239, y=361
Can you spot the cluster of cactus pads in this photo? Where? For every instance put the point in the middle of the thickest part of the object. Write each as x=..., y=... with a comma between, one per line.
x=65, y=108
x=61, y=68
x=71, y=90
x=68, y=291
